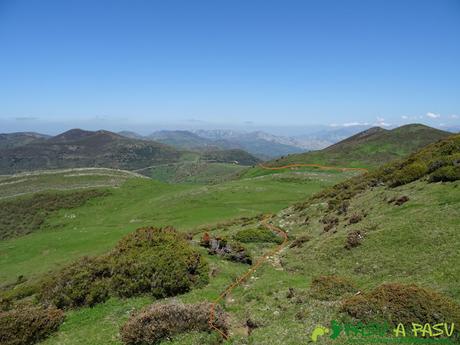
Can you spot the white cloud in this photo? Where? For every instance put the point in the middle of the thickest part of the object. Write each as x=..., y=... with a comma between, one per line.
x=433, y=115
x=349, y=124
x=381, y=122
x=453, y=116
x=404, y=117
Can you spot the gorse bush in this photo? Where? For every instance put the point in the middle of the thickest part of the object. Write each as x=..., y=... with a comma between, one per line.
x=446, y=174
x=331, y=287
x=257, y=235
x=409, y=173
x=82, y=283
x=28, y=325
x=397, y=303
x=26, y=214
x=161, y=321
x=154, y=261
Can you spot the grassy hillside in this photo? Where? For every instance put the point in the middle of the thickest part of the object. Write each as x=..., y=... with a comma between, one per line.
x=230, y=156
x=97, y=225
x=368, y=231
x=369, y=148
x=64, y=179
x=397, y=224
x=195, y=172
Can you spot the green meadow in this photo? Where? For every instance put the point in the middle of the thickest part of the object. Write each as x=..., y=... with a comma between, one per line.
x=96, y=227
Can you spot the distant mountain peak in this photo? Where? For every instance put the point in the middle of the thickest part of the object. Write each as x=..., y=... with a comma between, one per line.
x=72, y=134
x=77, y=134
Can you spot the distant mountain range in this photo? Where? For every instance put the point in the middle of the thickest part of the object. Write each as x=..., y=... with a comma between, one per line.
x=79, y=148
x=260, y=144
x=370, y=148
x=25, y=151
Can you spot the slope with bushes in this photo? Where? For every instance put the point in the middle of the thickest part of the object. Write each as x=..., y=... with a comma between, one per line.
x=370, y=148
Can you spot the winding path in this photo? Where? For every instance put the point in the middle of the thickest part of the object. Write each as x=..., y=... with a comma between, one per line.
x=247, y=274
x=274, y=251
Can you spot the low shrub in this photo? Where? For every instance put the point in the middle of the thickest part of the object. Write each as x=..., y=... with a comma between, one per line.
x=331, y=287
x=329, y=222
x=300, y=241
x=401, y=200
x=10, y=296
x=28, y=325
x=161, y=321
x=398, y=303
x=82, y=283
x=154, y=261
x=355, y=218
x=409, y=173
x=257, y=235
x=446, y=174
x=354, y=239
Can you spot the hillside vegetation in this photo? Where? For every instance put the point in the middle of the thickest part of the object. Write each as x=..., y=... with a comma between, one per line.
x=360, y=250
x=95, y=227
x=21, y=216
x=200, y=172
x=77, y=148
x=370, y=148
x=62, y=179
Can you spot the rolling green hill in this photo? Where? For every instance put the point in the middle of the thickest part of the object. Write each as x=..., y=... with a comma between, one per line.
x=369, y=148
x=62, y=179
x=78, y=148
x=200, y=172
x=397, y=224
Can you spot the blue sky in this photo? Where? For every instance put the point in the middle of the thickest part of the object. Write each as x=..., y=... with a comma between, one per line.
x=152, y=64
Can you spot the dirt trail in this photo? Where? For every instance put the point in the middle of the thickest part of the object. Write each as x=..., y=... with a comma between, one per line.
x=325, y=167
x=274, y=251
x=247, y=274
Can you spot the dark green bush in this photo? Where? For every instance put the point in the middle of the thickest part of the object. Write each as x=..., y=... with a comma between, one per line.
x=331, y=287
x=161, y=321
x=82, y=283
x=28, y=325
x=154, y=261
x=446, y=174
x=10, y=296
x=409, y=174
x=257, y=235
x=398, y=303
x=158, y=262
